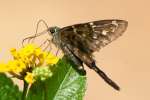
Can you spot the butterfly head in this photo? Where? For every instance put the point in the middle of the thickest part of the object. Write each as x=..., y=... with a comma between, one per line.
x=54, y=30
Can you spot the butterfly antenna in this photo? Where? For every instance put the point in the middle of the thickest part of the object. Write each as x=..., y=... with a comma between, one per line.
x=32, y=38
x=105, y=77
x=37, y=27
x=41, y=21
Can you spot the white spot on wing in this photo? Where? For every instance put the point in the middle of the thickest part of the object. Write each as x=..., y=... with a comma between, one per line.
x=114, y=22
x=104, y=32
x=74, y=29
x=95, y=36
x=91, y=23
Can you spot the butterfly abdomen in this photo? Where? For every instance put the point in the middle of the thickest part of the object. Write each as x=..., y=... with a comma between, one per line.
x=104, y=76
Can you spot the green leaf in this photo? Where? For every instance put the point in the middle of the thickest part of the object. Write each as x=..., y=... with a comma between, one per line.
x=65, y=84
x=8, y=91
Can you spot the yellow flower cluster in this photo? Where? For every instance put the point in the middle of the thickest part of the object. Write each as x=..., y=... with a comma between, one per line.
x=26, y=59
x=29, y=78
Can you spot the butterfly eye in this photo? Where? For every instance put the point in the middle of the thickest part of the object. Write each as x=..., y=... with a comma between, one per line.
x=52, y=30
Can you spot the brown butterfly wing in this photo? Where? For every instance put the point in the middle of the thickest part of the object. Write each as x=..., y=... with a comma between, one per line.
x=92, y=36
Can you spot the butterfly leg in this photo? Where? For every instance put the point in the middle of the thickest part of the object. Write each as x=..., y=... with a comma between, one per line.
x=78, y=63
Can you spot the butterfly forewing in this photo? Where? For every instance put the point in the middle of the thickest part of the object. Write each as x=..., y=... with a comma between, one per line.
x=91, y=36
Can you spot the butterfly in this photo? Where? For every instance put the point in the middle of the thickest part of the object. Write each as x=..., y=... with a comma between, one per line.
x=78, y=42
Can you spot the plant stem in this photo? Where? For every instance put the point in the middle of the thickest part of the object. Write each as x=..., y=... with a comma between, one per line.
x=25, y=88
x=45, y=91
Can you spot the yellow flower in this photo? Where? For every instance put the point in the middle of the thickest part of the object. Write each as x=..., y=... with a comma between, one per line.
x=13, y=50
x=29, y=78
x=14, y=53
x=28, y=50
x=38, y=52
x=27, y=57
x=4, y=68
x=41, y=59
x=51, y=59
x=16, y=66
